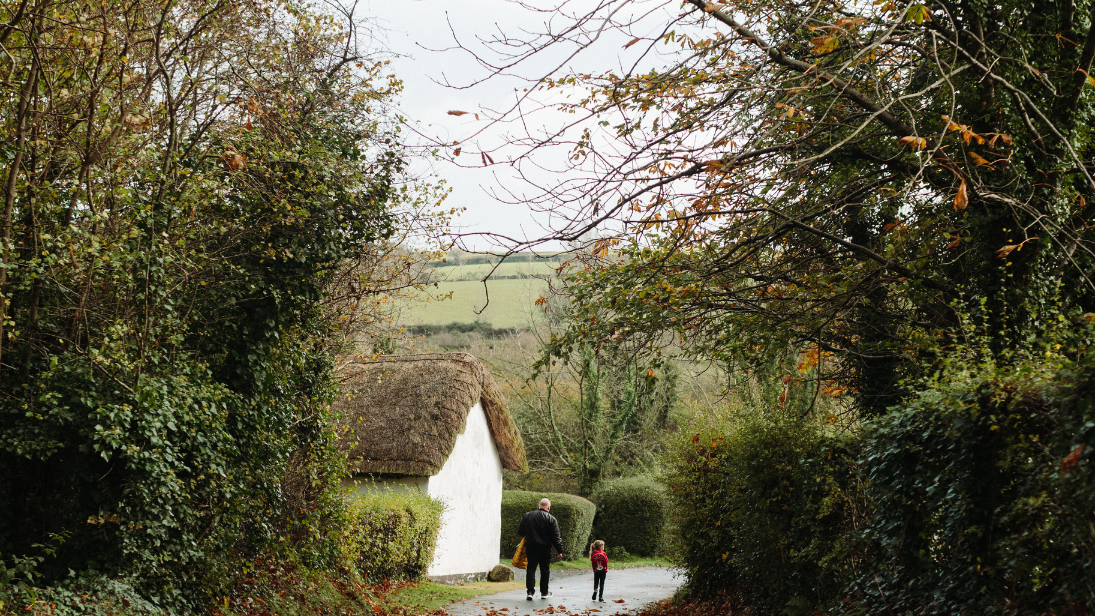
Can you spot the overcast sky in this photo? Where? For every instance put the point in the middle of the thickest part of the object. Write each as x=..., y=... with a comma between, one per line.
x=422, y=32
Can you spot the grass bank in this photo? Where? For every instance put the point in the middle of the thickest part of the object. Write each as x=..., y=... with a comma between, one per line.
x=424, y=597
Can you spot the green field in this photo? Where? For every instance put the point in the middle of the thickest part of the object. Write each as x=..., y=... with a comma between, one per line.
x=511, y=303
x=508, y=269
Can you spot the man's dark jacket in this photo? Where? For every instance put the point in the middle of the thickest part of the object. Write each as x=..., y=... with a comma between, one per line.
x=540, y=529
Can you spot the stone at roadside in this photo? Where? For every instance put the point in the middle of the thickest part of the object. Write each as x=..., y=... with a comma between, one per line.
x=500, y=573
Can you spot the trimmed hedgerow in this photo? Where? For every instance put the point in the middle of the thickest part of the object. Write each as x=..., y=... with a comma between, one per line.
x=574, y=513
x=767, y=508
x=631, y=514
x=392, y=535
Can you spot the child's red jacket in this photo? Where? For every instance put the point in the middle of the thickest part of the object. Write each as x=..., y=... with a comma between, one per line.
x=599, y=560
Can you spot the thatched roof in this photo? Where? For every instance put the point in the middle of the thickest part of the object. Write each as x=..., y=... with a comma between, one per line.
x=401, y=414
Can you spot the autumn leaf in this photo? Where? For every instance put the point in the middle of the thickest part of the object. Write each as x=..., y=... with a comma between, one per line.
x=632, y=42
x=711, y=7
x=962, y=199
x=253, y=105
x=1090, y=79
x=919, y=13
x=617, y=600
x=825, y=44
x=1006, y=250
x=981, y=162
x=917, y=143
x=486, y=158
x=454, y=112
x=790, y=110
x=955, y=243
x=1072, y=460
x=456, y=152
x=233, y=160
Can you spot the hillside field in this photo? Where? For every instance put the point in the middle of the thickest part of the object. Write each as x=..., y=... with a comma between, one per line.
x=511, y=303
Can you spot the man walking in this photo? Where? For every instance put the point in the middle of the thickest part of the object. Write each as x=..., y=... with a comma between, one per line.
x=541, y=533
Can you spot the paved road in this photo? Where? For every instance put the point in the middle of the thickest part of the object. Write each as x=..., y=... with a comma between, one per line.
x=625, y=590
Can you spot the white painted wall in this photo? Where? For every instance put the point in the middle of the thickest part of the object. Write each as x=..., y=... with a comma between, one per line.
x=470, y=484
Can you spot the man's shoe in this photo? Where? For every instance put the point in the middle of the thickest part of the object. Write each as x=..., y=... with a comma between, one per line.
x=528, y=597
x=602, y=599
x=594, y=597
x=547, y=596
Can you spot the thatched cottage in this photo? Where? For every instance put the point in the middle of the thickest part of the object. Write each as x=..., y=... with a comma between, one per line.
x=437, y=423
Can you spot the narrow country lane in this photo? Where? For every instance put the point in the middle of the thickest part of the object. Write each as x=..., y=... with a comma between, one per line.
x=625, y=590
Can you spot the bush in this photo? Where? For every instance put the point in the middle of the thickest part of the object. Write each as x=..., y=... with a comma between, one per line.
x=982, y=488
x=766, y=507
x=631, y=515
x=574, y=513
x=392, y=535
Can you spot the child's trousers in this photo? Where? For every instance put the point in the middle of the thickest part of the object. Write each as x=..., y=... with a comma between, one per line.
x=599, y=583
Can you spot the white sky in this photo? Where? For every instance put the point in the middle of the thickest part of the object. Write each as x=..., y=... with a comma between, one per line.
x=422, y=33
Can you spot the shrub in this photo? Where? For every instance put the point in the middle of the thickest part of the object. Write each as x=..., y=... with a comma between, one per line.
x=982, y=487
x=392, y=535
x=574, y=513
x=631, y=515
x=766, y=507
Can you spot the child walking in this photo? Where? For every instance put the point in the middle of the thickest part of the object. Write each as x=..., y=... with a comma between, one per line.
x=599, y=560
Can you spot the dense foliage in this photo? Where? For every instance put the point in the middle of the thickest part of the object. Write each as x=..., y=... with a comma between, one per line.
x=574, y=514
x=392, y=536
x=184, y=183
x=631, y=516
x=982, y=487
x=852, y=180
x=838, y=175
x=768, y=505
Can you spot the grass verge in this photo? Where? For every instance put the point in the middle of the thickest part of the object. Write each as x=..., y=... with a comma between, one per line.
x=430, y=596
x=633, y=561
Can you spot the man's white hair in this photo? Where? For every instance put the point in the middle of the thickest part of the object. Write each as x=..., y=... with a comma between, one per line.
x=544, y=503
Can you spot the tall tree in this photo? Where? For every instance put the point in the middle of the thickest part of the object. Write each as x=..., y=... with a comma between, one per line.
x=841, y=176
x=185, y=183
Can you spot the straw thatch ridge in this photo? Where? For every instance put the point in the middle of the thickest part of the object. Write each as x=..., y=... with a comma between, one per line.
x=401, y=414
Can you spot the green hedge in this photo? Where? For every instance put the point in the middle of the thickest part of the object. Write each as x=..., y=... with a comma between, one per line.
x=631, y=514
x=768, y=509
x=982, y=487
x=392, y=535
x=575, y=515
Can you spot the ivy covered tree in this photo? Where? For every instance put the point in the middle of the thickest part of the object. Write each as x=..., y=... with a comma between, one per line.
x=192, y=192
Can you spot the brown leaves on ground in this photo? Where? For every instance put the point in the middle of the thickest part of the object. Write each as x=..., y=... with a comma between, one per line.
x=722, y=606
x=273, y=583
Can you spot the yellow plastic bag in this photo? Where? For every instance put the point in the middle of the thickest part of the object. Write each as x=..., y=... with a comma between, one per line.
x=520, y=558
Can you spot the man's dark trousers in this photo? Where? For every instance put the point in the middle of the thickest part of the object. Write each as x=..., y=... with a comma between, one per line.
x=538, y=555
